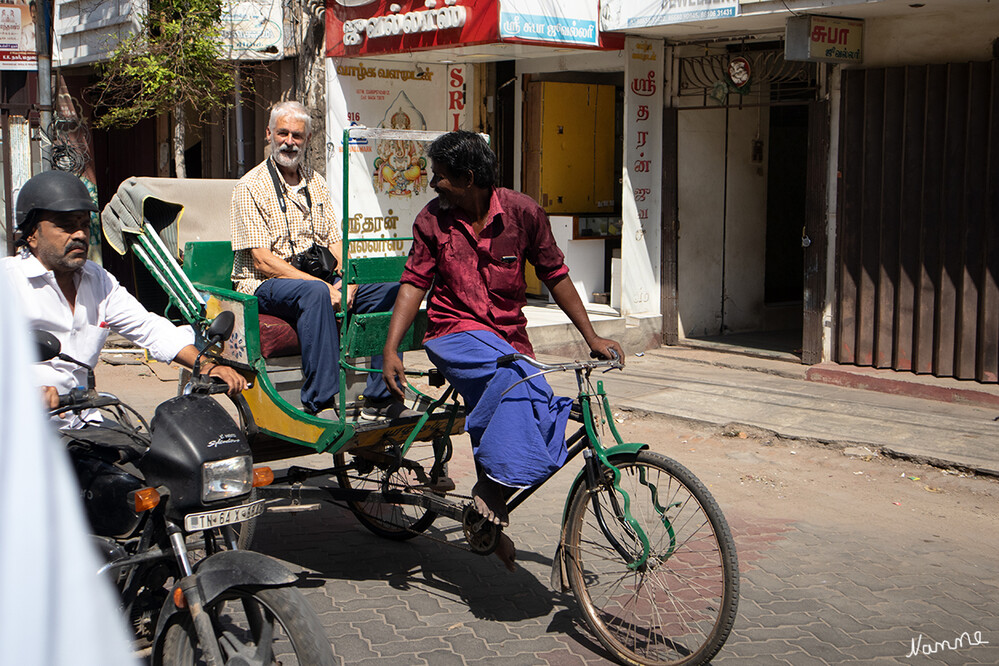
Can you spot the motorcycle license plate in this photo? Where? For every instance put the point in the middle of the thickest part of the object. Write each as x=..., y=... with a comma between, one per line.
x=196, y=522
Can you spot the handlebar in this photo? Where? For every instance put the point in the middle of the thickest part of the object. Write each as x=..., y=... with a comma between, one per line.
x=544, y=368
x=609, y=364
x=207, y=384
x=80, y=398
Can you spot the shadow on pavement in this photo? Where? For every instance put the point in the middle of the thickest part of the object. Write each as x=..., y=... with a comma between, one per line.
x=331, y=542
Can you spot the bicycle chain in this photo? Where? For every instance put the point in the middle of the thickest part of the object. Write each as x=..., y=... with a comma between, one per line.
x=452, y=544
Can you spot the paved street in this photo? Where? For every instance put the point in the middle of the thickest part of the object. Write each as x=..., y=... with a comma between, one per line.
x=843, y=561
x=846, y=557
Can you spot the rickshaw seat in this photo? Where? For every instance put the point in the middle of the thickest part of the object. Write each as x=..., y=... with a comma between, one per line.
x=210, y=263
x=277, y=337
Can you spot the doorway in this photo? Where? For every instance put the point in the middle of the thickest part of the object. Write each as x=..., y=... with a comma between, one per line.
x=744, y=174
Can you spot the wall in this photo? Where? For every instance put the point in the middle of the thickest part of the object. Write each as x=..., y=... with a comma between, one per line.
x=927, y=37
x=585, y=258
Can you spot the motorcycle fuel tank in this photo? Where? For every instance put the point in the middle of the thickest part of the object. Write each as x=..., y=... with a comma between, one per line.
x=106, y=489
x=188, y=431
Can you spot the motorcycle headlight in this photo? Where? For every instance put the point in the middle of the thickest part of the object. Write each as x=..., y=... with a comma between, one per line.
x=223, y=479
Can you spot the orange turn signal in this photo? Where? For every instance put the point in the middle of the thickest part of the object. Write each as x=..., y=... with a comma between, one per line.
x=178, y=598
x=146, y=499
x=263, y=476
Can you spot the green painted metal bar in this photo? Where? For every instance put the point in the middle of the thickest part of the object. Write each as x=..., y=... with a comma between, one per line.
x=181, y=304
x=171, y=263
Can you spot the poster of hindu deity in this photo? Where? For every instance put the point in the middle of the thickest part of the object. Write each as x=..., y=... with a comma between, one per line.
x=388, y=179
x=400, y=168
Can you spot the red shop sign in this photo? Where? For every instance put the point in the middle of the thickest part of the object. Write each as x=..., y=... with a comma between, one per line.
x=358, y=28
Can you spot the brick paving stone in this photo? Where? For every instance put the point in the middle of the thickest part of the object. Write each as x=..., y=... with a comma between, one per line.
x=845, y=623
x=561, y=659
x=507, y=660
x=802, y=659
x=468, y=644
x=787, y=619
x=402, y=649
x=443, y=658
x=816, y=647
x=413, y=660
x=781, y=607
x=353, y=648
x=761, y=649
x=871, y=652
x=762, y=634
x=399, y=618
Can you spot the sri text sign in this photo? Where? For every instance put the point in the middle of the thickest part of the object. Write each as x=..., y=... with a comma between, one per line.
x=824, y=39
x=356, y=28
x=572, y=23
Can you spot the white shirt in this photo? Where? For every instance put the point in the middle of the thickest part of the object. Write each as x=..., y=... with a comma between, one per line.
x=54, y=610
x=102, y=306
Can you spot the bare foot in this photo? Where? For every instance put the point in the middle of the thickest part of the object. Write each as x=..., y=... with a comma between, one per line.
x=506, y=552
x=487, y=495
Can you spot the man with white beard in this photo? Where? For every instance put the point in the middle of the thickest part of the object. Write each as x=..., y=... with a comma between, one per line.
x=282, y=208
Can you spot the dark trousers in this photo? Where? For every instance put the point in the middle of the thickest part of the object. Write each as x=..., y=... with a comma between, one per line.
x=305, y=304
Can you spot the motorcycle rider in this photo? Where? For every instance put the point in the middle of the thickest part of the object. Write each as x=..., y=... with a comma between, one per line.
x=79, y=302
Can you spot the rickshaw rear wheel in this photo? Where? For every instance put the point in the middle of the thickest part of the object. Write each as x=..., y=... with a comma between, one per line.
x=369, y=472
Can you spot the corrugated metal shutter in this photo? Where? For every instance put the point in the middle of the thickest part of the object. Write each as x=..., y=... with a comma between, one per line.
x=918, y=220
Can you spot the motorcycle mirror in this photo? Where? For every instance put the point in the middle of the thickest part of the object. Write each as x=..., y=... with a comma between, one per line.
x=48, y=345
x=221, y=327
x=49, y=348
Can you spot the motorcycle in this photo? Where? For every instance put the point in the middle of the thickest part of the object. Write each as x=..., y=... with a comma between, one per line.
x=168, y=502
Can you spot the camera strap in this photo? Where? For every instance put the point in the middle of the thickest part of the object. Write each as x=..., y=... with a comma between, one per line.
x=279, y=191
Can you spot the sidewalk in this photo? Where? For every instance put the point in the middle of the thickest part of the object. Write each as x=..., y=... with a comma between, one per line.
x=949, y=423
x=944, y=422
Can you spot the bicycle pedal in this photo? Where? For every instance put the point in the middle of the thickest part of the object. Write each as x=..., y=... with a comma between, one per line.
x=444, y=484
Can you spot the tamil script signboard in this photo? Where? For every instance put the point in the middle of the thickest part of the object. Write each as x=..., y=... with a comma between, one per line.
x=253, y=29
x=824, y=39
x=551, y=22
x=17, y=37
x=625, y=14
x=356, y=28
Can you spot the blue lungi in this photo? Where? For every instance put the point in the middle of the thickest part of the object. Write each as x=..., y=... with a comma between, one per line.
x=519, y=438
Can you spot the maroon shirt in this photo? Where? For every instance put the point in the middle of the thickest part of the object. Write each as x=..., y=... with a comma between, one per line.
x=478, y=283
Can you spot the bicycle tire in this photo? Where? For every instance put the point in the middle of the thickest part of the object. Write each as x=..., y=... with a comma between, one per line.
x=680, y=607
x=397, y=522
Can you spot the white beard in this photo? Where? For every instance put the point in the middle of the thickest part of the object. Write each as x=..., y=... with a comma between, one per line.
x=286, y=159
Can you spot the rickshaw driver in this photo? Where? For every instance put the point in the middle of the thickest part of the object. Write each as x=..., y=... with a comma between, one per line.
x=282, y=207
x=469, y=248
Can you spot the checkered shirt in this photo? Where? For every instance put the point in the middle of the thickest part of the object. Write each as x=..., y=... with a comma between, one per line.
x=256, y=221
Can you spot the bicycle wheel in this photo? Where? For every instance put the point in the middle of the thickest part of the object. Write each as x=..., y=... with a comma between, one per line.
x=262, y=626
x=373, y=470
x=679, y=607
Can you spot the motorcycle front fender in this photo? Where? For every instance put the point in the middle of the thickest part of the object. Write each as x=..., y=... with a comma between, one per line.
x=220, y=572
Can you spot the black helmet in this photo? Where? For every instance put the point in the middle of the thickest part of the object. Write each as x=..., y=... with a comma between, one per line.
x=58, y=191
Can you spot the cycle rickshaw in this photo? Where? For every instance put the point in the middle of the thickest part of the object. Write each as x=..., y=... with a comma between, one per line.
x=644, y=547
